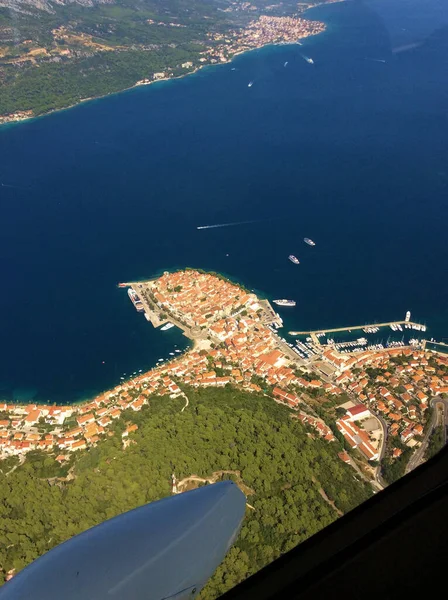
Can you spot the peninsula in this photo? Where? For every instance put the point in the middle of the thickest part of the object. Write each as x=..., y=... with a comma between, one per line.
x=380, y=406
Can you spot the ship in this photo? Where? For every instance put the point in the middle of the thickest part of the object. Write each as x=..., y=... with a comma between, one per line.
x=122, y=285
x=135, y=300
x=293, y=259
x=284, y=302
x=167, y=326
x=408, y=316
x=309, y=242
x=250, y=84
x=308, y=59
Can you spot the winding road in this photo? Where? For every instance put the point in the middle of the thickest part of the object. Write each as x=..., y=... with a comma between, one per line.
x=418, y=457
x=378, y=477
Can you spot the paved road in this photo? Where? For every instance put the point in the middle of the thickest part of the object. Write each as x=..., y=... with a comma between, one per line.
x=378, y=477
x=418, y=456
x=445, y=419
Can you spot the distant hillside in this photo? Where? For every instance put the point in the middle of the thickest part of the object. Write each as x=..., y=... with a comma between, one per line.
x=47, y=5
x=226, y=429
x=55, y=53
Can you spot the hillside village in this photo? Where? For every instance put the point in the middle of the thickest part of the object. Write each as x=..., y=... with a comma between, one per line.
x=377, y=395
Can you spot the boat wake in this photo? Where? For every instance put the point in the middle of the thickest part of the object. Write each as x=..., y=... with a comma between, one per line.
x=227, y=224
x=15, y=187
x=309, y=60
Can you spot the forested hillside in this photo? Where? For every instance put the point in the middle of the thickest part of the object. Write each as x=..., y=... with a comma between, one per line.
x=220, y=429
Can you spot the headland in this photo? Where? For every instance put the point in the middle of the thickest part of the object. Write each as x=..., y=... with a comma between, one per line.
x=378, y=403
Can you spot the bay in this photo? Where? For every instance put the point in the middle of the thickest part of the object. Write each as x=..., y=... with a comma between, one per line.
x=349, y=151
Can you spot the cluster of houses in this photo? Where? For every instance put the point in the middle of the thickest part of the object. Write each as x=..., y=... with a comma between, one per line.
x=200, y=299
x=355, y=435
x=260, y=32
x=400, y=391
x=241, y=351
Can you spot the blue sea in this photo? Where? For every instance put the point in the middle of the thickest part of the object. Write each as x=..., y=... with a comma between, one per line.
x=350, y=151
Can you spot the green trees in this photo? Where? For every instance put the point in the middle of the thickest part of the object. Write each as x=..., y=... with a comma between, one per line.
x=223, y=429
x=436, y=442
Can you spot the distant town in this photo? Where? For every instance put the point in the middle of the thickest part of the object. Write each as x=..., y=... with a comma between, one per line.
x=247, y=27
x=261, y=32
x=382, y=405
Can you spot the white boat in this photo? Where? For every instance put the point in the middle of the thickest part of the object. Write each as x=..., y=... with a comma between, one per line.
x=286, y=64
x=135, y=300
x=167, y=326
x=294, y=259
x=250, y=84
x=408, y=316
x=308, y=59
x=309, y=242
x=284, y=302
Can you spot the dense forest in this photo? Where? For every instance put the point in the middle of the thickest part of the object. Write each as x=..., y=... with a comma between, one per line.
x=285, y=467
x=58, y=85
x=106, y=48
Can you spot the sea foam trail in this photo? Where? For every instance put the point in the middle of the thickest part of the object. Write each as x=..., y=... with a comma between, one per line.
x=226, y=224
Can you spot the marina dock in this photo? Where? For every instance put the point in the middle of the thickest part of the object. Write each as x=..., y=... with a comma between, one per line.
x=354, y=328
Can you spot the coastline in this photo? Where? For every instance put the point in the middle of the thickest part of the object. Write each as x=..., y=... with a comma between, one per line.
x=143, y=83
x=235, y=342
x=136, y=85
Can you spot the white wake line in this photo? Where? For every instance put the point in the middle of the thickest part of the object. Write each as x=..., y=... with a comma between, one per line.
x=227, y=224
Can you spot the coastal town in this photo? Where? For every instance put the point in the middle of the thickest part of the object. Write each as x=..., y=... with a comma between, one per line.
x=261, y=32
x=250, y=27
x=377, y=403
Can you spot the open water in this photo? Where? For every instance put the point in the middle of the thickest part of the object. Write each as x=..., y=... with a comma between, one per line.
x=350, y=151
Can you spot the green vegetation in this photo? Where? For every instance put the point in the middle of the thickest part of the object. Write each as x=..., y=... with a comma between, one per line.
x=8, y=464
x=101, y=49
x=436, y=442
x=58, y=85
x=221, y=429
x=393, y=469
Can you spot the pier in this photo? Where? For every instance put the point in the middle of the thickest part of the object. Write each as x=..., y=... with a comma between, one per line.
x=440, y=347
x=314, y=333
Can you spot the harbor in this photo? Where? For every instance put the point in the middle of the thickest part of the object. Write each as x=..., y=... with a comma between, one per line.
x=309, y=345
x=319, y=332
x=345, y=340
